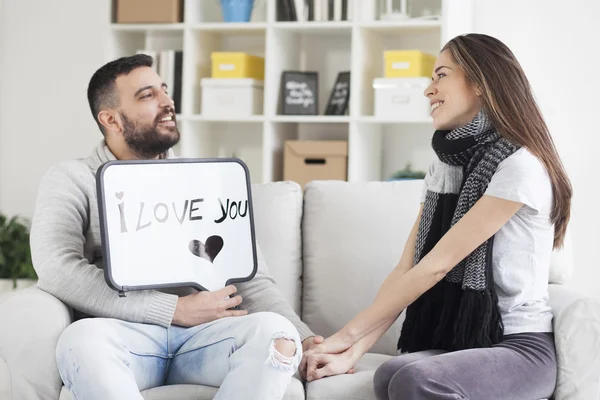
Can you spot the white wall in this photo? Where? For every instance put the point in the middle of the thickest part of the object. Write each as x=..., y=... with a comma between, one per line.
x=556, y=43
x=49, y=50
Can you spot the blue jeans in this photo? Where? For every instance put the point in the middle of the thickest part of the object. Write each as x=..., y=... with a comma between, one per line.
x=100, y=358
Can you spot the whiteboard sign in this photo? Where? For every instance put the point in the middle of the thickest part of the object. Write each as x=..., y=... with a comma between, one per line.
x=176, y=222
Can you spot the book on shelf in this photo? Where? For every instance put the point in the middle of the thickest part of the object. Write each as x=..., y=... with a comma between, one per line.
x=168, y=64
x=314, y=10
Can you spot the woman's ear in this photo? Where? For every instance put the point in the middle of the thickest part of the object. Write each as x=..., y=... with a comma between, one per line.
x=109, y=120
x=478, y=90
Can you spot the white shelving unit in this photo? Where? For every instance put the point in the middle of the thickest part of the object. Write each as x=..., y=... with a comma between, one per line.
x=377, y=147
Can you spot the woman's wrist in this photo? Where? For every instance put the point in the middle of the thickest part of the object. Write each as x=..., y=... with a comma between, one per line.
x=345, y=337
x=354, y=353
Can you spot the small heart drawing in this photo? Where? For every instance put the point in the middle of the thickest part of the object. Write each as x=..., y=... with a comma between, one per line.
x=208, y=251
x=119, y=195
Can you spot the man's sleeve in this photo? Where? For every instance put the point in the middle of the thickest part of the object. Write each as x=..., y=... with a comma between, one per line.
x=57, y=247
x=262, y=294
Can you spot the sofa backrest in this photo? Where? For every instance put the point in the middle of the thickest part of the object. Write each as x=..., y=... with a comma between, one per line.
x=277, y=215
x=353, y=236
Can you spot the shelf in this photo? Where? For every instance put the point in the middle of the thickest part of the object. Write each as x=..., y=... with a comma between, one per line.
x=315, y=27
x=202, y=118
x=231, y=28
x=395, y=27
x=148, y=27
x=379, y=145
x=315, y=119
x=311, y=119
x=381, y=120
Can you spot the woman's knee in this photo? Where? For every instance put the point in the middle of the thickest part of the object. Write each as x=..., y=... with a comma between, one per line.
x=385, y=372
x=381, y=379
x=416, y=381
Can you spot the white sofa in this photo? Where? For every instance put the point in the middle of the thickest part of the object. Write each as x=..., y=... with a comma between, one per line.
x=329, y=248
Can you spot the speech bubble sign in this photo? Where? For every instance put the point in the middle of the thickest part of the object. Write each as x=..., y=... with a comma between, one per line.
x=176, y=222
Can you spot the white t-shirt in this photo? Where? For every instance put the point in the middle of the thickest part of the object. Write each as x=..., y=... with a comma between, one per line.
x=523, y=246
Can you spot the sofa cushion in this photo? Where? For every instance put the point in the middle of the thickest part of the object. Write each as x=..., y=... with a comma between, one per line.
x=576, y=335
x=357, y=386
x=295, y=391
x=277, y=211
x=353, y=236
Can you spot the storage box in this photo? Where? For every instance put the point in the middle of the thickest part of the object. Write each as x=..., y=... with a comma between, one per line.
x=309, y=160
x=237, y=65
x=231, y=97
x=144, y=11
x=402, y=98
x=408, y=64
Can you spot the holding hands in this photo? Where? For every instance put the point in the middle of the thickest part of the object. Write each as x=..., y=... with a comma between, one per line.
x=322, y=358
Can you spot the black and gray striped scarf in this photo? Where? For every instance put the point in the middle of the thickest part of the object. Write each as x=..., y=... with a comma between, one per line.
x=461, y=311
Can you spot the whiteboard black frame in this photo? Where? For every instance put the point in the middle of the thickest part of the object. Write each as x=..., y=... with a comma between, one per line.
x=104, y=231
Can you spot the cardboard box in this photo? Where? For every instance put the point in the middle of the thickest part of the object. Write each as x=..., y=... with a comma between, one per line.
x=310, y=160
x=149, y=11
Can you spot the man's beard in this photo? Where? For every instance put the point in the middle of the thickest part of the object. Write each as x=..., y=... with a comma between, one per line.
x=146, y=141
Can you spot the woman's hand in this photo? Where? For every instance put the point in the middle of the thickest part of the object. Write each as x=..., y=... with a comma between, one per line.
x=332, y=345
x=322, y=365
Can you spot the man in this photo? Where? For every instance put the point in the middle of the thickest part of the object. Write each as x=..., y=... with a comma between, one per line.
x=149, y=338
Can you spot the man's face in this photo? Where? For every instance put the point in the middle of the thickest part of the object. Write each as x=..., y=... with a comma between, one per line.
x=147, y=113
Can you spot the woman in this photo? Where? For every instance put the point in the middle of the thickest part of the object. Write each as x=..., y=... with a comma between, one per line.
x=474, y=271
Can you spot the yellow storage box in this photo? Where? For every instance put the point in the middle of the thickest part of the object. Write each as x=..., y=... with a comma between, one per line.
x=237, y=65
x=408, y=64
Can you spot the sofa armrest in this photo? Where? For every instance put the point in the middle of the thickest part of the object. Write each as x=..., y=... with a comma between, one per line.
x=577, y=338
x=31, y=321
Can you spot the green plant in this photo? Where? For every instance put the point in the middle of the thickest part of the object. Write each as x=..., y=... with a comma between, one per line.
x=15, y=254
x=408, y=173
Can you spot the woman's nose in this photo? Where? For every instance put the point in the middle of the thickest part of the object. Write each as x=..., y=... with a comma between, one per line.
x=430, y=90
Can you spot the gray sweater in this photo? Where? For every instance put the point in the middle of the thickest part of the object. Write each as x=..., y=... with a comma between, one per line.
x=67, y=255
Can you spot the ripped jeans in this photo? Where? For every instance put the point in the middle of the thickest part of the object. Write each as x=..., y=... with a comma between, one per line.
x=100, y=358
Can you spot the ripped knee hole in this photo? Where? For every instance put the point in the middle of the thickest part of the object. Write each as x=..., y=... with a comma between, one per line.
x=283, y=351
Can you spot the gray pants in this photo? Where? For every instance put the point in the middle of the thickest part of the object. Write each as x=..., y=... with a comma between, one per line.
x=522, y=367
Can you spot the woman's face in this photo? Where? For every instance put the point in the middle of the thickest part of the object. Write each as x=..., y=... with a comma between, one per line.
x=454, y=100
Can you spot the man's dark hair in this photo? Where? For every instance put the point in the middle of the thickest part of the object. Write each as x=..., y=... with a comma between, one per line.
x=101, y=90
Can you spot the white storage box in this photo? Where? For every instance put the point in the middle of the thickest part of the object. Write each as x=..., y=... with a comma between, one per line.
x=231, y=97
x=402, y=98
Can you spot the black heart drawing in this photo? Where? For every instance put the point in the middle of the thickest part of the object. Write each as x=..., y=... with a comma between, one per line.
x=208, y=250
x=119, y=195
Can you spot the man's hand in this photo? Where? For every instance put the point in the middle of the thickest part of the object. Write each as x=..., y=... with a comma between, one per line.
x=321, y=365
x=308, y=344
x=202, y=307
x=311, y=342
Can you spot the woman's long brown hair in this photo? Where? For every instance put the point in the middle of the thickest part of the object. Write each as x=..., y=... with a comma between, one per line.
x=509, y=103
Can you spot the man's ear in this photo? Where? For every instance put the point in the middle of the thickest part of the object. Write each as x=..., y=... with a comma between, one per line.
x=109, y=120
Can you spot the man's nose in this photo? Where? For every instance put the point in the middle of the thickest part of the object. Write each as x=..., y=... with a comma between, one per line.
x=167, y=101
